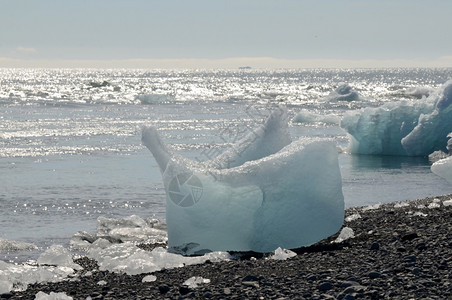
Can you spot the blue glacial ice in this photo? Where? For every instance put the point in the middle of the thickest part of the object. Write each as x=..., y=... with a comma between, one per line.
x=287, y=199
x=408, y=128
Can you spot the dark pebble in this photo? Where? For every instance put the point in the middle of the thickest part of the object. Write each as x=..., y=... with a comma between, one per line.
x=374, y=275
x=375, y=246
x=183, y=290
x=325, y=286
x=164, y=289
x=410, y=236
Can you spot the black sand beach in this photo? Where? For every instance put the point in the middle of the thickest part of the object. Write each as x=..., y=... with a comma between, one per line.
x=397, y=253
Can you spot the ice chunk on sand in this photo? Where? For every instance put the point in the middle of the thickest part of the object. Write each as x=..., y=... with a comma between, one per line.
x=282, y=254
x=289, y=199
x=52, y=296
x=353, y=217
x=447, y=202
x=149, y=278
x=195, y=281
x=410, y=128
x=345, y=234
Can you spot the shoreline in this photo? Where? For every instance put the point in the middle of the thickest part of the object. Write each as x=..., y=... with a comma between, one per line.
x=398, y=252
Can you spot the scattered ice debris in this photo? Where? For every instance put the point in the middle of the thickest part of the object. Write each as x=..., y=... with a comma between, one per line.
x=447, y=202
x=419, y=214
x=57, y=255
x=410, y=128
x=401, y=204
x=302, y=186
x=372, y=207
x=9, y=246
x=128, y=258
x=149, y=278
x=421, y=206
x=282, y=254
x=195, y=281
x=101, y=282
x=345, y=234
x=52, y=296
x=353, y=217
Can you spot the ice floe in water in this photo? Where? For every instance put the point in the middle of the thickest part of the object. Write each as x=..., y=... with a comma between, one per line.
x=343, y=92
x=288, y=199
x=306, y=116
x=443, y=167
x=409, y=128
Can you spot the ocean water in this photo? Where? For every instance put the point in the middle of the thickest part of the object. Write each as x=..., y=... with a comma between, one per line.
x=70, y=142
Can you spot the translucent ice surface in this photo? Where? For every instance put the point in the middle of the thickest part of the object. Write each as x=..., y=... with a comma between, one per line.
x=289, y=199
x=411, y=128
x=443, y=168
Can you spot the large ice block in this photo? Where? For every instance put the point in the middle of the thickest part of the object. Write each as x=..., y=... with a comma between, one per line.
x=289, y=199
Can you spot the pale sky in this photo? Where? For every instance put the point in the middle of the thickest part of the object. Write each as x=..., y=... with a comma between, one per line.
x=225, y=33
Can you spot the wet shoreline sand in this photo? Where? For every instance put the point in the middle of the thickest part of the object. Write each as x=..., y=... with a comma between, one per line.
x=398, y=252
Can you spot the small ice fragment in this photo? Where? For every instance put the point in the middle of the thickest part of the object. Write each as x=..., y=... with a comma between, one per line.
x=436, y=200
x=52, y=296
x=101, y=282
x=195, y=281
x=89, y=273
x=419, y=214
x=433, y=205
x=149, y=278
x=372, y=207
x=282, y=254
x=401, y=204
x=352, y=217
x=346, y=233
x=447, y=202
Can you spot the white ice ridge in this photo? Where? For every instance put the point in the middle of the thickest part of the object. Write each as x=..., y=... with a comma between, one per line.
x=408, y=128
x=288, y=199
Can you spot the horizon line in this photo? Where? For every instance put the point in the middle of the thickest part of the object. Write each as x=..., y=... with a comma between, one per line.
x=226, y=63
